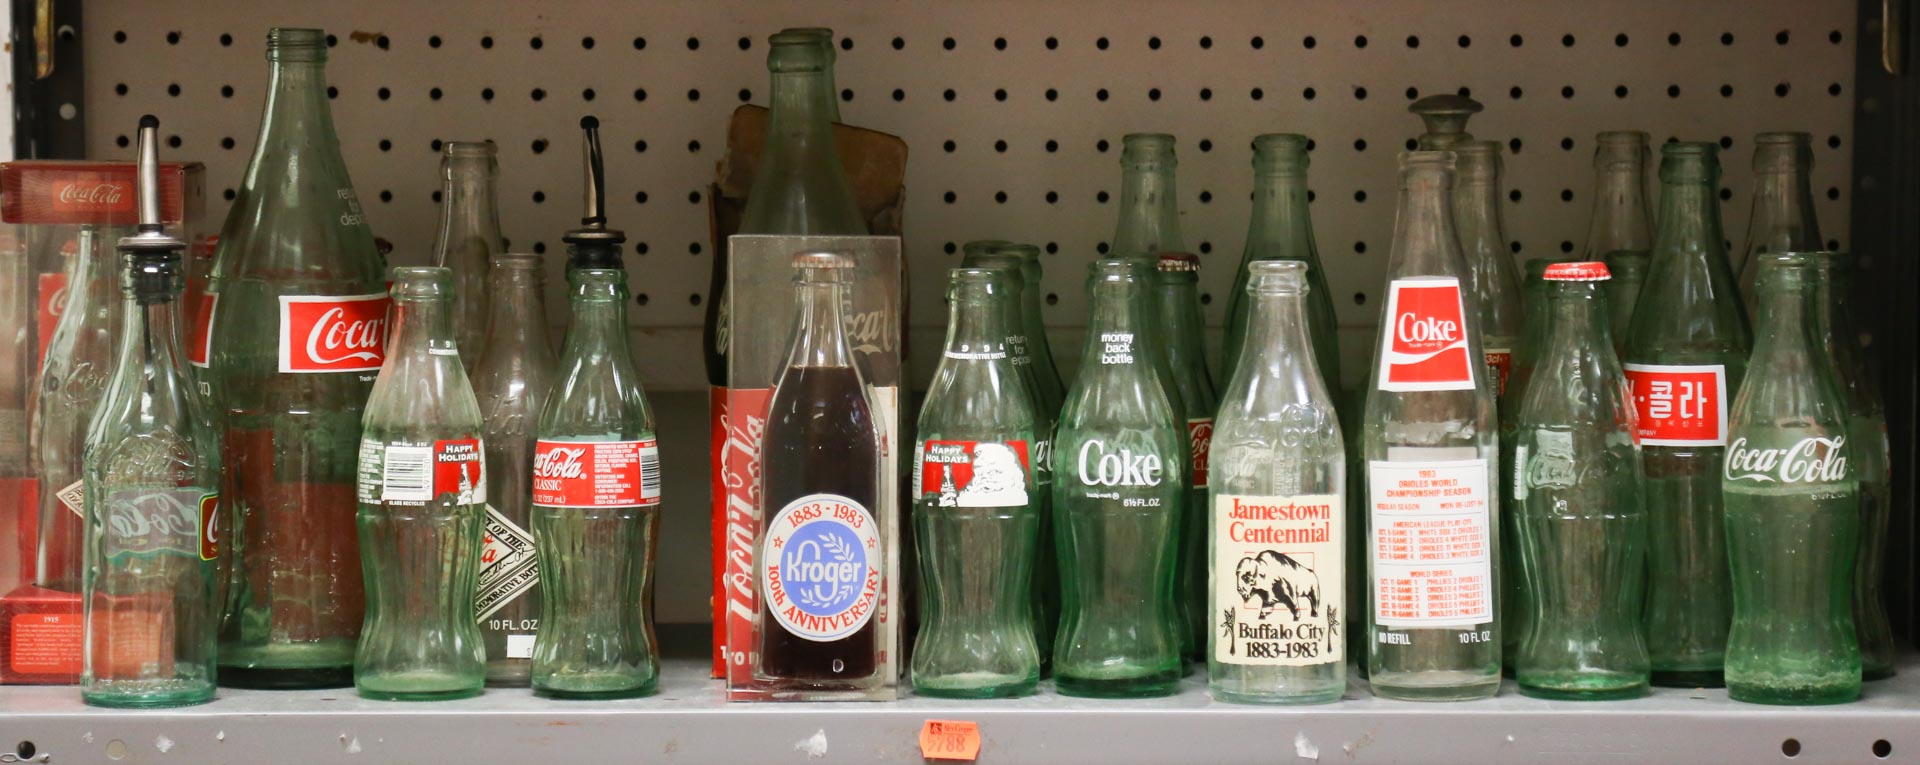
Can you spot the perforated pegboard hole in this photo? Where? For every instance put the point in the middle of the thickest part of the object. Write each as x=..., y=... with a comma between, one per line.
x=1790, y=747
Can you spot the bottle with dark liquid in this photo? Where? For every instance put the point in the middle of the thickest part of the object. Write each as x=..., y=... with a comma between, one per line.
x=820, y=561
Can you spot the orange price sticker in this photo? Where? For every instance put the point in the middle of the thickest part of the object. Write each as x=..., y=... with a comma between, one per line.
x=950, y=740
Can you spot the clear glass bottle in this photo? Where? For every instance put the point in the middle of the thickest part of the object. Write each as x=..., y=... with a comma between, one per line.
x=1629, y=270
x=823, y=36
x=1580, y=527
x=74, y=374
x=1053, y=391
x=292, y=391
x=1782, y=218
x=1492, y=279
x=1431, y=449
x=469, y=236
x=975, y=513
x=1276, y=529
x=800, y=187
x=1619, y=222
x=511, y=378
x=1793, y=512
x=1117, y=499
x=422, y=497
x=1686, y=355
x=151, y=590
x=1178, y=296
x=1515, y=613
x=1149, y=202
x=1839, y=335
x=1281, y=228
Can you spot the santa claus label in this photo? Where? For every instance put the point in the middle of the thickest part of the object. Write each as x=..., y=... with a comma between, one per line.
x=974, y=473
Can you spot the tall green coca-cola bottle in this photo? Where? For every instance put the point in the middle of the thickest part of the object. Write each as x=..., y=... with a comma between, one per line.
x=1149, y=221
x=1619, y=221
x=299, y=330
x=1629, y=270
x=1686, y=355
x=1178, y=289
x=1281, y=228
x=1782, y=217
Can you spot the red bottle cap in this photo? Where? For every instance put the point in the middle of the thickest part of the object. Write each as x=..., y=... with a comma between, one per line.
x=1178, y=261
x=1583, y=271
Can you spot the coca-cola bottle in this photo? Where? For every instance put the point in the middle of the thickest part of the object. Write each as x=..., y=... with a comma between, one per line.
x=1117, y=502
x=1686, y=354
x=1149, y=203
x=511, y=379
x=1629, y=274
x=1281, y=228
x=1276, y=530
x=1580, y=529
x=152, y=468
x=1491, y=276
x=1515, y=612
x=1793, y=513
x=1782, y=217
x=1178, y=296
x=1839, y=336
x=821, y=560
x=975, y=513
x=1053, y=391
x=1431, y=450
x=73, y=379
x=469, y=236
x=1619, y=222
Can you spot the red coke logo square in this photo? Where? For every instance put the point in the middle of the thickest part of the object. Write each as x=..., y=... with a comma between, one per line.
x=333, y=333
x=1426, y=337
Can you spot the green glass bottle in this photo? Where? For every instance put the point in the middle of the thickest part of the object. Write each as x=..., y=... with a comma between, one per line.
x=1793, y=512
x=1117, y=498
x=800, y=187
x=1686, y=355
x=1629, y=270
x=1581, y=531
x=1052, y=390
x=1515, y=613
x=1492, y=279
x=1782, y=217
x=1619, y=221
x=1281, y=228
x=1181, y=324
x=1149, y=201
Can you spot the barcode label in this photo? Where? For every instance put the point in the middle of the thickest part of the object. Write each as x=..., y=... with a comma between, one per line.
x=408, y=474
x=649, y=473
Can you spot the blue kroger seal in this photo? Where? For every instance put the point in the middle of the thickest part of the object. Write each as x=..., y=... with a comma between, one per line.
x=819, y=567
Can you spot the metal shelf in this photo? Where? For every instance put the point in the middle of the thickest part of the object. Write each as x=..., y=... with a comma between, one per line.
x=688, y=722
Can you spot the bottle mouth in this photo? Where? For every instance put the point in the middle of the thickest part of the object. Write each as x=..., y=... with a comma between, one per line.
x=1276, y=277
x=798, y=52
x=462, y=149
x=1280, y=154
x=1621, y=138
x=1139, y=149
x=822, y=267
x=1783, y=139
x=977, y=277
x=1783, y=270
x=1113, y=270
x=296, y=44
x=519, y=261
x=1689, y=162
x=421, y=282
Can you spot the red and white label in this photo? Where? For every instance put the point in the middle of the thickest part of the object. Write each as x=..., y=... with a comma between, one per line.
x=53, y=302
x=409, y=473
x=1679, y=405
x=596, y=473
x=1200, y=437
x=1500, y=365
x=333, y=333
x=200, y=340
x=974, y=473
x=1432, y=550
x=1425, y=347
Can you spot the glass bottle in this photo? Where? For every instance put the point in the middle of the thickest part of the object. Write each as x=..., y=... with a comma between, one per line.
x=151, y=589
x=1276, y=525
x=511, y=379
x=1180, y=320
x=1445, y=117
x=1431, y=450
x=1281, y=228
x=1117, y=499
x=295, y=248
x=1619, y=221
x=74, y=375
x=975, y=513
x=1491, y=276
x=1782, y=218
x=422, y=495
x=469, y=236
x=1793, y=513
x=823, y=36
x=1576, y=484
x=1515, y=613
x=1686, y=354
x=1149, y=202
x=1053, y=391
x=820, y=484
x=800, y=187
x=1629, y=270
x=1837, y=333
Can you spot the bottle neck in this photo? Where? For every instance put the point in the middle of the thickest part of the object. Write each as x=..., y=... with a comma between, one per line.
x=517, y=319
x=1476, y=203
x=468, y=193
x=1578, y=319
x=1116, y=330
x=1689, y=219
x=1149, y=213
x=1179, y=300
x=799, y=116
x=422, y=326
x=1281, y=225
x=1277, y=344
x=599, y=325
x=150, y=342
x=820, y=338
x=1425, y=243
x=1783, y=219
x=1785, y=317
x=297, y=108
x=977, y=327
x=1619, y=211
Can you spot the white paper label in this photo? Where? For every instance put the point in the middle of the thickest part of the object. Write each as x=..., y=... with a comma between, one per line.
x=508, y=565
x=519, y=646
x=74, y=497
x=1432, y=553
x=1278, y=573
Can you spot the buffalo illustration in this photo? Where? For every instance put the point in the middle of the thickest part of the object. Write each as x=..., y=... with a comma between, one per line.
x=1277, y=580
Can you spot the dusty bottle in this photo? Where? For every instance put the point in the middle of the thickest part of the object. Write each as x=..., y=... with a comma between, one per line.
x=299, y=331
x=1182, y=326
x=1445, y=118
x=1281, y=228
x=1793, y=513
x=1580, y=527
x=151, y=589
x=1431, y=450
x=975, y=513
x=1837, y=333
x=422, y=496
x=1619, y=221
x=511, y=379
x=1117, y=498
x=1515, y=613
x=1686, y=354
x=469, y=236
x=1276, y=529
x=1629, y=274
x=1149, y=202
x=1782, y=218
x=1491, y=276
x=821, y=561
x=74, y=373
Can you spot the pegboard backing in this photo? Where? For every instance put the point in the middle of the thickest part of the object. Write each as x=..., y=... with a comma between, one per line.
x=1013, y=111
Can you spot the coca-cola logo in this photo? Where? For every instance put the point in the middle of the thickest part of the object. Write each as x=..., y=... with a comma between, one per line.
x=326, y=333
x=145, y=522
x=870, y=332
x=336, y=338
x=91, y=195
x=559, y=462
x=1426, y=345
x=1100, y=466
x=1811, y=460
x=1410, y=329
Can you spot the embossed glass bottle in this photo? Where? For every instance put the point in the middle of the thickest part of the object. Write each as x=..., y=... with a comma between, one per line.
x=1629, y=270
x=1515, y=613
x=1491, y=275
x=469, y=237
x=1276, y=528
x=1782, y=217
x=1149, y=203
x=1619, y=222
x=1281, y=228
x=1178, y=296
x=74, y=373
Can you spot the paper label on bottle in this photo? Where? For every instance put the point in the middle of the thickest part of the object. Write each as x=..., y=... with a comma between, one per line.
x=1432, y=547
x=976, y=355
x=418, y=473
x=200, y=340
x=53, y=302
x=1679, y=405
x=1519, y=476
x=974, y=473
x=1200, y=440
x=820, y=566
x=332, y=333
x=520, y=646
x=1278, y=573
x=1499, y=366
x=509, y=566
x=150, y=522
x=74, y=497
x=596, y=473
x=1425, y=347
